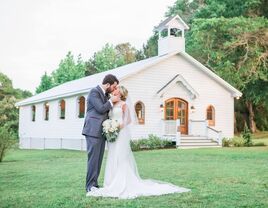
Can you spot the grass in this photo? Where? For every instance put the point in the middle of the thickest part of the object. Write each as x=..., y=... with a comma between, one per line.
x=224, y=177
x=261, y=137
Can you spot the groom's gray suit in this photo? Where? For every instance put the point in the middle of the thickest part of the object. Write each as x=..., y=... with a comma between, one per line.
x=98, y=107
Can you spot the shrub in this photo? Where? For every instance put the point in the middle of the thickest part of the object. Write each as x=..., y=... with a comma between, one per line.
x=6, y=141
x=134, y=144
x=238, y=141
x=246, y=135
x=152, y=142
x=226, y=142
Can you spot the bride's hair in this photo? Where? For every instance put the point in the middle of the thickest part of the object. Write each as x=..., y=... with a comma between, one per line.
x=123, y=92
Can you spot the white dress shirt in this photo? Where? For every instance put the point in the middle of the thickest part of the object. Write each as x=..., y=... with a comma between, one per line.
x=105, y=95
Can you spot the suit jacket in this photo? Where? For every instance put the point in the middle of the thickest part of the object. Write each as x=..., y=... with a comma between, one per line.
x=98, y=107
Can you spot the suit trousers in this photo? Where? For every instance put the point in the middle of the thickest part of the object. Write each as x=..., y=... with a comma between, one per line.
x=95, y=151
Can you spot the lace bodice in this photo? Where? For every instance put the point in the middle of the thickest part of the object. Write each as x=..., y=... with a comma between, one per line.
x=116, y=113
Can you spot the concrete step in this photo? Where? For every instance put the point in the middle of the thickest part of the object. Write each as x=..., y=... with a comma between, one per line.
x=199, y=144
x=193, y=137
x=195, y=140
x=195, y=147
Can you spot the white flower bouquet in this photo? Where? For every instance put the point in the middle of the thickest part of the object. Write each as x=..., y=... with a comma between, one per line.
x=111, y=129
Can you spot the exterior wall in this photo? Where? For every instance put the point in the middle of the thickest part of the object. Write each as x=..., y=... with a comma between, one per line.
x=55, y=133
x=143, y=86
x=170, y=44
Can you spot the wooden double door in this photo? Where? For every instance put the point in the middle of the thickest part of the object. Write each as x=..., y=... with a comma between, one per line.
x=176, y=108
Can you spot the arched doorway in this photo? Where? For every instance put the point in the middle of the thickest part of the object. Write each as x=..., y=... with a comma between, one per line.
x=176, y=108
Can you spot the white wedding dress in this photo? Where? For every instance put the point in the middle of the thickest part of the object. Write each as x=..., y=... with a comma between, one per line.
x=121, y=177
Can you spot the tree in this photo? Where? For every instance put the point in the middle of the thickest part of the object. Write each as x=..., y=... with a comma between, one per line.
x=105, y=59
x=69, y=69
x=186, y=9
x=127, y=51
x=46, y=83
x=237, y=50
x=8, y=97
x=5, y=86
x=6, y=141
x=150, y=49
x=193, y=9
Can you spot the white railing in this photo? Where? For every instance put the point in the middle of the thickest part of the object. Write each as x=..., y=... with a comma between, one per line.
x=198, y=127
x=178, y=132
x=169, y=127
x=214, y=135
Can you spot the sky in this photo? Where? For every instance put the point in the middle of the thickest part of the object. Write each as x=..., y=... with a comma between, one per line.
x=36, y=34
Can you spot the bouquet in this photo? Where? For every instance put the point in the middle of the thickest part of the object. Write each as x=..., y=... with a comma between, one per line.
x=111, y=129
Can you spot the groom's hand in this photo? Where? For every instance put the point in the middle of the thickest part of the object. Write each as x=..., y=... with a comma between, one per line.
x=115, y=99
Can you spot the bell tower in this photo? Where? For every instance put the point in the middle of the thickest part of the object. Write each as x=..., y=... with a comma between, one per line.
x=171, y=35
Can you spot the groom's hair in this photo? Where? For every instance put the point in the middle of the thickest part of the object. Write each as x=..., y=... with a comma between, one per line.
x=110, y=79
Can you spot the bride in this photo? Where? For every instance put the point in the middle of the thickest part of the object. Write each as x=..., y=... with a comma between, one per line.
x=121, y=177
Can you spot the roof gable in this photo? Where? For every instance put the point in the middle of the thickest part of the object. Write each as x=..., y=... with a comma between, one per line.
x=173, y=22
x=178, y=79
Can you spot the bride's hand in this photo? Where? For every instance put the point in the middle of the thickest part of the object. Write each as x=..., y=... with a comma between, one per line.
x=121, y=126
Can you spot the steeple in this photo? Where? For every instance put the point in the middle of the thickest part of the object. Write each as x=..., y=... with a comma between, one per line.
x=171, y=35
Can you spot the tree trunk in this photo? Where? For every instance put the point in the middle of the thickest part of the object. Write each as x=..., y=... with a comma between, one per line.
x=252, y=124
x=235, y=127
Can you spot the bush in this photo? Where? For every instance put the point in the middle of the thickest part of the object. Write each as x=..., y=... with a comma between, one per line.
x=226, y=142
x=246, y=135
x=152, y=142
x=7, y=140
x=238, y=142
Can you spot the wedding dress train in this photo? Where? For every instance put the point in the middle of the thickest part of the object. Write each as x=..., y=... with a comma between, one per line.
x=121, y=177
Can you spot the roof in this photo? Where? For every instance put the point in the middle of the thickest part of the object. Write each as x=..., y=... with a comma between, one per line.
x=83, y=85
x=165, y=23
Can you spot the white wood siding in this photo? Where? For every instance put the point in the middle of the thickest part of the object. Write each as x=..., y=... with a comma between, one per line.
x=144, y=85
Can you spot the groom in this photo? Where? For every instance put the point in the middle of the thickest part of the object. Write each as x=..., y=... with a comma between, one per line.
x=98, y=106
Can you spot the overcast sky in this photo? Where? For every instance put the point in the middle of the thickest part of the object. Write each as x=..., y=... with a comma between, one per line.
x=36, y=34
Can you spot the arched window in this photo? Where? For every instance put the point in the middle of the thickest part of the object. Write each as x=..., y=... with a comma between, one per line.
x=62, y=109
x=211, y=115
x=46, y=111
x=140, y=111
x=33, y=112
x=81, y=107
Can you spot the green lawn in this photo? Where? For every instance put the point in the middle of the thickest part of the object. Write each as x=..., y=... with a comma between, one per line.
x=221, y=177
x=261, y=137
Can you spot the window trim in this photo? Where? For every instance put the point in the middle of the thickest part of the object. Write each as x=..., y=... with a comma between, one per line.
x=33, y=113
x=78, y=115
x=211, y=122
x=60, y=109
x=142, y=120
x=46, y=113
